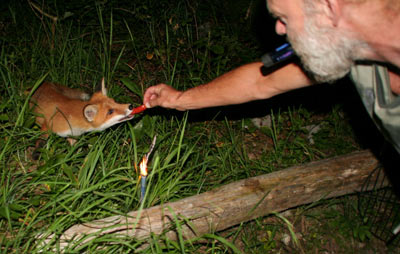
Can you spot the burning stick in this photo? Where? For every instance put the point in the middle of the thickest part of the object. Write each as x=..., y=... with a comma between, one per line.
x=143, y=170
x=143, y=176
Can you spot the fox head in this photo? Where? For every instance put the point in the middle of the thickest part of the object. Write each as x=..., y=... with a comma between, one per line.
x=103, y=112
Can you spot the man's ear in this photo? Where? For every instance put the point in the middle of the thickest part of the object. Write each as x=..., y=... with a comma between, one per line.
x=332, y=9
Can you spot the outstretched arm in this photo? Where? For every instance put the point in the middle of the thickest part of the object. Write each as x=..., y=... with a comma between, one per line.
x=240, y=85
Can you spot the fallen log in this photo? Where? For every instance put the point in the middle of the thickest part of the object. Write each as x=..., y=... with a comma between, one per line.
x=240, y=201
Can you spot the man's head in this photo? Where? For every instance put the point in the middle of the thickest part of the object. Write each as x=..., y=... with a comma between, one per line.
x=326, y=50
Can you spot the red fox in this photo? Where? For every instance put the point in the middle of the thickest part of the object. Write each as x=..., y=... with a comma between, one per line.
x=70, y=112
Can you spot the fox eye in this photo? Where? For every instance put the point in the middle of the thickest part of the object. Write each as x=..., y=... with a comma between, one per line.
x=110, y=112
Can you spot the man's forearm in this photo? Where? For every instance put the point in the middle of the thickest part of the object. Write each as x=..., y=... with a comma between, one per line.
x=241, y=85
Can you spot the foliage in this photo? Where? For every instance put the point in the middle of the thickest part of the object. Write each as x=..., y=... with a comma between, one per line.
x=135, y=44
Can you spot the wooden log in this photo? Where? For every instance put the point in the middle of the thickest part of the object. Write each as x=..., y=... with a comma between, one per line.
x=240, y=201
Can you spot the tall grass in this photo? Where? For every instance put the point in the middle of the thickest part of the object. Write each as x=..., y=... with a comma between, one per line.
x=96, y=177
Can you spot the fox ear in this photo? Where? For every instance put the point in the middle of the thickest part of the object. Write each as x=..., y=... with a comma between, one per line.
x=103, y=87
x=90, y=112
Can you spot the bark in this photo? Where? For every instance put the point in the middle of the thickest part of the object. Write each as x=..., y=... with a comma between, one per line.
x=240, y=201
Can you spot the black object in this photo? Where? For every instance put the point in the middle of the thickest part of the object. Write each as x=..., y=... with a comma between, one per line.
x=277, y=58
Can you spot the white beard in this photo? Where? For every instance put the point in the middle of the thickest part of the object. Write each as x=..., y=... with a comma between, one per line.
x=328, y=54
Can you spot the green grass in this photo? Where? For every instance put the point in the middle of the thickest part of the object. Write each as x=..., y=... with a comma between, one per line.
x=135, y=44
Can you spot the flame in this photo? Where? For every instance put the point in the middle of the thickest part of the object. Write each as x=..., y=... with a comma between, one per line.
x=143, y=166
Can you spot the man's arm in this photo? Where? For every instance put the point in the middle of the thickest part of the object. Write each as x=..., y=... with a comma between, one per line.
x=240, y=85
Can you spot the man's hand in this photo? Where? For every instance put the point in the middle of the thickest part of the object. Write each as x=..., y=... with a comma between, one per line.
x=162, y=95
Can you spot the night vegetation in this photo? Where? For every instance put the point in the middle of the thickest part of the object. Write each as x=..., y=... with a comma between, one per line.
x=136, y=44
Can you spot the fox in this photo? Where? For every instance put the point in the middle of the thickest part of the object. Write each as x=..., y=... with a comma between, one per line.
x=71, y=112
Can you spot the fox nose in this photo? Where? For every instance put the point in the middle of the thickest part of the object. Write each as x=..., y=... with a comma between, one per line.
x=130, y=107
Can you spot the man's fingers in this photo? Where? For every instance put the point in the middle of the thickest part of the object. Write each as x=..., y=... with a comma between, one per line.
x=152, y=94
x=152, y=102
x=161, y=95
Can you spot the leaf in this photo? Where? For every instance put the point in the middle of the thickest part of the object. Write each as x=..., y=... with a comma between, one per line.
x=217, y=49
x=16, y=207
x=69, y=172
x=29, y=122
x=224, y=241
x=148, y=125
x=137, y=129
x=3, y=117
x=35, y=201
x=6, y=212
x=93, y=140
x=132, y=86
x=68, y=14
x=3, y=212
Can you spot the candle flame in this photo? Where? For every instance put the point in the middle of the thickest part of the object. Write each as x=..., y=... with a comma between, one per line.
x=143, y=166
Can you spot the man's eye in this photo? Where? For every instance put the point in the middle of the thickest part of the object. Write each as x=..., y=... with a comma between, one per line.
x=110, y=112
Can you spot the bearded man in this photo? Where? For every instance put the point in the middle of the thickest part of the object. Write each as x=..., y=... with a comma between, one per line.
x=332, y=38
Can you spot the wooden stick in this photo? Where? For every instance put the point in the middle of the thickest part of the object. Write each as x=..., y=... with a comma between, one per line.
x=240, y=201
x=36, y=7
